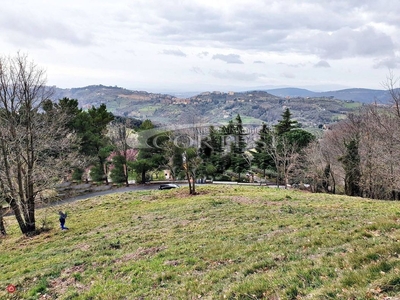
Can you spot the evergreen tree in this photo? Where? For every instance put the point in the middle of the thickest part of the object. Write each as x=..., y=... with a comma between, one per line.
x=240, y=143
x=71, y=109
x=239, y=161
x=213, y=143
x=298, y=138
x=286, y=124
x=91, y=127
x=351, y=165
x=118, y=172
x=288, y=144
x=146, y=125
x=236, y=132
x=150, y=154
x=262, y=153
x=141, y=166
x=211, y=152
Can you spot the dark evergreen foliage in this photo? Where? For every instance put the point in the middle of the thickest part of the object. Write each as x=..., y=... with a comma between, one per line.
x=262, y=152
x=117, y=173
x=286, y=123
x=351, y=165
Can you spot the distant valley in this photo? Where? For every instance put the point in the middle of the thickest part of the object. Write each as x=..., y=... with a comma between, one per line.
x=311, y=109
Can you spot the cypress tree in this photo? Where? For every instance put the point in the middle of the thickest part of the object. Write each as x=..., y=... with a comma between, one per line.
x=351, y=165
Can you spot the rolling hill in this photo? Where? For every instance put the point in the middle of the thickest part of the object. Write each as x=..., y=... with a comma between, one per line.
x=359, y=95
x=311, y=109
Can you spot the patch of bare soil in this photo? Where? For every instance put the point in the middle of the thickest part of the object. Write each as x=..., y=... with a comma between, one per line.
x=83, y=247
x=184, y=192
x=60, y=285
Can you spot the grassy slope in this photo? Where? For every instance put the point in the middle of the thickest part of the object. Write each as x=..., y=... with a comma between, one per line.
x=228, y=242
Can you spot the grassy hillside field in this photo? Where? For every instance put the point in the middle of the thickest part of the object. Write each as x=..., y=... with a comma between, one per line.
x=228, y=242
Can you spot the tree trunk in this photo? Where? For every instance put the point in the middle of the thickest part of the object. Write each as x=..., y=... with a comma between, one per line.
x=194, y=185
x=26, y=228
x=143, y=177
x=333, y=184
x=2, y=228
x=190, y=182
x=31, y=221
x=126, y=173
x=105, y=171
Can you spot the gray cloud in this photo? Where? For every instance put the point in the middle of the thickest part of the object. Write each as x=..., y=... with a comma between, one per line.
x=38, y=30
x=174, y=52
x=328, y=29
x=229, y=58
x=387, y=63
x=322, y=64
x=203, y=54
x=240, y=76
x=89, y=38
x=350, y=43
x=288, y=75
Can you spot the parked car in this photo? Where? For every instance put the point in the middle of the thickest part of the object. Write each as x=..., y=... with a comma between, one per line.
x=168, y=186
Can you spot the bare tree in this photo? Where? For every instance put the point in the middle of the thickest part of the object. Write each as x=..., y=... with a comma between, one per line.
x=314, y=166
x=123, y=137
x=191, y=162
x=390, y=85
x=380, y=141
x=285, y=155
x=2, y=227
x=171, y=153
x=35, y=146
x=182, y=152
x=377, y=143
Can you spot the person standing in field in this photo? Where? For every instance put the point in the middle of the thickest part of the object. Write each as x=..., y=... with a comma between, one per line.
x=63, y=216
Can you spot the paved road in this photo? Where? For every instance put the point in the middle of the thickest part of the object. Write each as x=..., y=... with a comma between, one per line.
x=130, y=188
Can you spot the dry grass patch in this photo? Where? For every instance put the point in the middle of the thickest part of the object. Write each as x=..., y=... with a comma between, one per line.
x=140, y=254
x=69, y=278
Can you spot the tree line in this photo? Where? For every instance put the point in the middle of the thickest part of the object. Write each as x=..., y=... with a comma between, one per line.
x=228, y=152
x=361, y=152
x=44, y=142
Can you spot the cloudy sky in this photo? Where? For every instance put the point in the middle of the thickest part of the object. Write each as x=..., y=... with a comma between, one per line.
x=197, y=45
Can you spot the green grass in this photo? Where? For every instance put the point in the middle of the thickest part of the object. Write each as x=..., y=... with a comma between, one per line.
x=352, y=105
x=228, y=242
x=250, y=120
x=150, y=109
